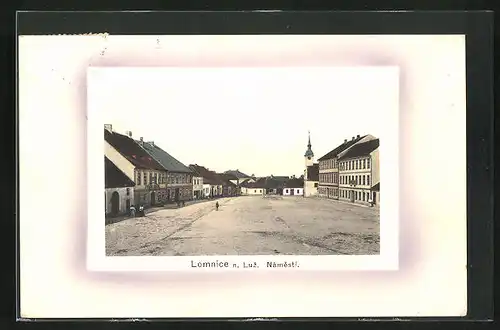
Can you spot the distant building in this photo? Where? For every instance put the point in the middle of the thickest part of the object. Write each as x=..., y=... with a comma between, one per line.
x=311, y=172
x=240, y=176
x=212, y=184
x=118, y=190
x=198, y=187
x=148, y=175
x=230, y=184
x=258, y=187
x=359, y=173
x=328, y=185
x=294, y=187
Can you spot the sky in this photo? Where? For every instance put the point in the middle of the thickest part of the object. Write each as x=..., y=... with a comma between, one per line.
x=255, y=120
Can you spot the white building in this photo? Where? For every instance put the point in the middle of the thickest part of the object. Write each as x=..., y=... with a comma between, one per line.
x=118, y=190
x=359, y=173
x=206, y=190
x=198, y=190
x=294, y=187
x=311, y=172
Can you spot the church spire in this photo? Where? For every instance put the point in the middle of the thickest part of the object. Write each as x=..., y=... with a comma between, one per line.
x=309, y=153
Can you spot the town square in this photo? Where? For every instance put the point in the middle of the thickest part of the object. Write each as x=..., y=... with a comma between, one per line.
x=249, y=225
x=232, y=169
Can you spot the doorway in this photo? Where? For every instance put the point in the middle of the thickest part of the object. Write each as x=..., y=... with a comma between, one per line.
x=115, y=203
x=153, y=198
x=177, y=194
x=292, y=192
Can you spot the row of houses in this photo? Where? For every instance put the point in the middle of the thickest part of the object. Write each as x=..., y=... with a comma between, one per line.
x=349, y=172
x=279, y=185
x=139, y=172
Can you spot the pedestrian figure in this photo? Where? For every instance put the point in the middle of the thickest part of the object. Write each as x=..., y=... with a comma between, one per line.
x=183, y=203
x=217, y=206
x=132, y=211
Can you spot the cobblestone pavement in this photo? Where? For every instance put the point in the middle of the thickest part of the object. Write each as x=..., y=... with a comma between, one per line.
x=250, y=225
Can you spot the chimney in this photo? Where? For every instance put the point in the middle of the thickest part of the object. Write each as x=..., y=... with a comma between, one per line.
x=129, y=134
x=108, y=127
x=141, y=140
x=353, y=138
x=152, y=143
x=357, y=136
x=345, y=140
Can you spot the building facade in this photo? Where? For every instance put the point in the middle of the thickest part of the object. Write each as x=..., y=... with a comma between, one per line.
x=359, y=173
x=329, y=180
x=118, y=190
x=177, y=183
x=146, y=173
x=294, y=187
x=212, y=184
x=198, y=187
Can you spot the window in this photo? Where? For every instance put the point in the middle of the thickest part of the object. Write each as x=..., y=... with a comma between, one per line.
x=356, y=164
x=315, y=185
x=364, y=179
x=368, y=163
x=145, y=178
x=150, y=177
x=128, y=191
x=364, y=163
x=138, y=178
x=368, y=180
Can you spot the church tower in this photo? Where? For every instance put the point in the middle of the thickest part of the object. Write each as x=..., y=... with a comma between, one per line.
x=309, y=155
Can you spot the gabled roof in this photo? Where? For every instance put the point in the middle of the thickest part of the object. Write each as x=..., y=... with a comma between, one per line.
x=209, y=177
x=114, y=177
x=259, y=183
x=294, y=183
x=361, y=149
x=342, y=147
x=225, y=178
x=164, y=158
x=281, y=178
x=313, y=172
x=127, y=147
x=237, y=174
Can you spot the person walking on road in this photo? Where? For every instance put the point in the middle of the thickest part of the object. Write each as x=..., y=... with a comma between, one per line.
x=132, y=211
x=217, y=206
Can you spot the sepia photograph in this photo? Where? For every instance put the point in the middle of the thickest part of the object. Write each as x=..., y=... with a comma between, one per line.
x=255, y=162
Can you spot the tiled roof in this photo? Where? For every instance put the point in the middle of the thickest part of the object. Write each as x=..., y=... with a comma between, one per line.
x=209, y=177
x=260, y=183
x=376, y=187
x=225, y=178
x=281, y=178
x=127, y=147
x=164, y=158
x=340, y=148
x=237, y=174
x=362, y=149
x=114, y=177
x=313, y=172
x=294, y=183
